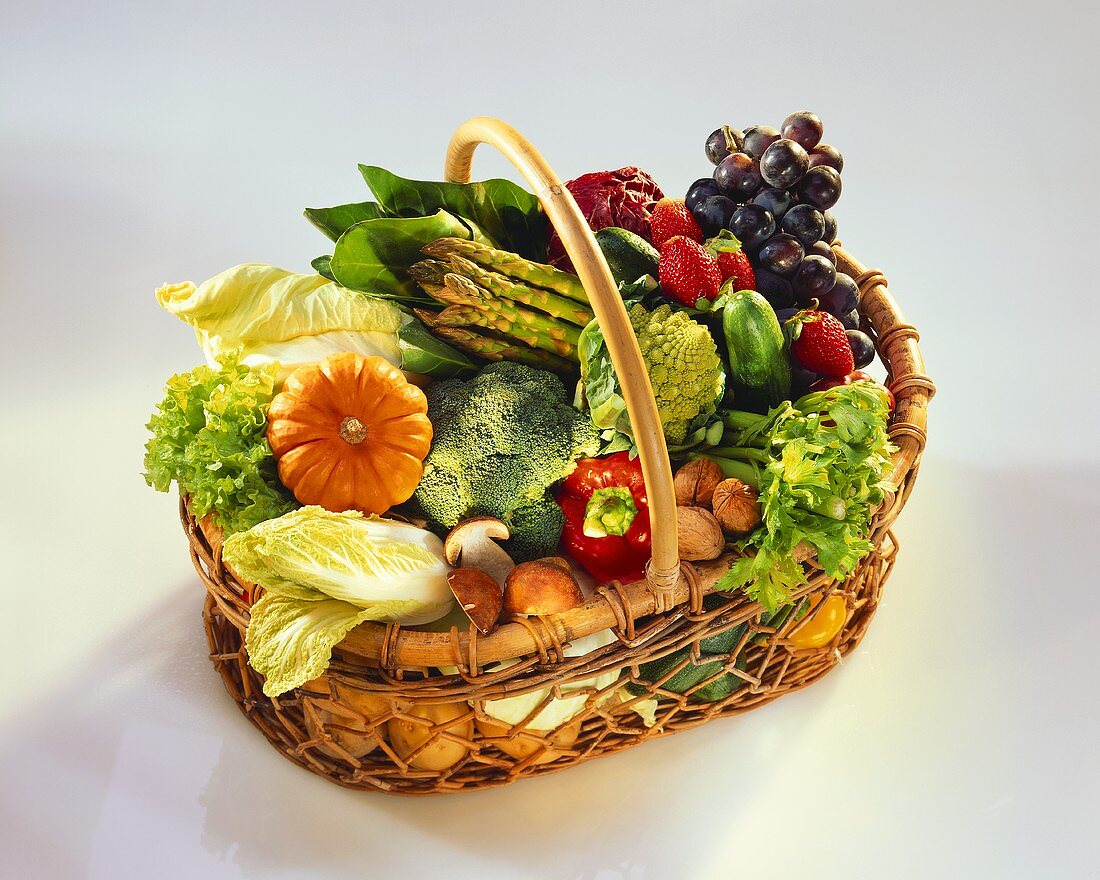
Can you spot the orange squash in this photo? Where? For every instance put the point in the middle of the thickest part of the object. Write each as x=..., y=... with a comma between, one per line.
x=350, y=433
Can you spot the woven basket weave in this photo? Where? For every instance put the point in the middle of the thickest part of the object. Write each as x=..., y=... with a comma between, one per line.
x=383, y=675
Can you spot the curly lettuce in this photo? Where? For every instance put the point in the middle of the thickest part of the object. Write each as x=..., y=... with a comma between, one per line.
x=209, y=437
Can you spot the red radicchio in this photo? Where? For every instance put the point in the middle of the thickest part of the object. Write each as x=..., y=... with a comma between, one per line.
x=623, y=198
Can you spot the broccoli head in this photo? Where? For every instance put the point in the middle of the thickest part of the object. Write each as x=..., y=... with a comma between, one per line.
x=681, y=359
x=501, y=440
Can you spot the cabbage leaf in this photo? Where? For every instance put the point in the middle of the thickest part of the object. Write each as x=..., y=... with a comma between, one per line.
x=264, y=314
x=329, y=572
x=290, y=641
x=559, y=710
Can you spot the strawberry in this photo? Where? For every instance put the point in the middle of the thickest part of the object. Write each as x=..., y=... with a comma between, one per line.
x=671, y=217
x=736, y=265
x=688, y=272
x=821, y=345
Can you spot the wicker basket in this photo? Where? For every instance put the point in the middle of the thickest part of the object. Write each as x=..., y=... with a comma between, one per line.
x=432, y=687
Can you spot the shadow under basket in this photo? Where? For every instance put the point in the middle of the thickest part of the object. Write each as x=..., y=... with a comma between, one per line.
x=414, y=713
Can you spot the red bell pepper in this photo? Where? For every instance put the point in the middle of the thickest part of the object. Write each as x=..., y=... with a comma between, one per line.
x=607, y=517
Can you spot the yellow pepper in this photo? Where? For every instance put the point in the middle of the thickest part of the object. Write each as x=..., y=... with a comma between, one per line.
x=821, y=626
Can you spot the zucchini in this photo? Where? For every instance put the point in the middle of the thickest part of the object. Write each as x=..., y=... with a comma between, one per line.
x=628, y=256
x=760, y=373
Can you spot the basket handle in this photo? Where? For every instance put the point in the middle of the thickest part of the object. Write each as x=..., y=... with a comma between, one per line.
x=663, y=571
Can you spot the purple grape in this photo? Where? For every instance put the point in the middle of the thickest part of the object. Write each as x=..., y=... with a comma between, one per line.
x=781, y=254
x=804, y=128
x=753, y=225
x=713, y=214
x=783, y=164
x=776, y=201
x=777, y=291
x=822, y=249
x=850, y=321
x=820, y=187
x=843, y=297
x=717, y=146
x=738, y=177
x=784, y=315
x=703, y=187
x=863, y=349
x=815, y=277
x=801, y=380
x=757, y=139
x=829, y=235
x=805, y=223
x=826, y=154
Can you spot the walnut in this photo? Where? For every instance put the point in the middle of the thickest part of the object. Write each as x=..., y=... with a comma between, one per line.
x=695, y=482
x=736, y=506
x=698, y=534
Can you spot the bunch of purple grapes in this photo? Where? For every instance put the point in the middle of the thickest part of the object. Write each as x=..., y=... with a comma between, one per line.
x=774, y=189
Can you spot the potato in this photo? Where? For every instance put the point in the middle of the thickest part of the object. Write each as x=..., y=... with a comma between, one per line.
x=407, y=736
x=336, y=719
x=521, y=747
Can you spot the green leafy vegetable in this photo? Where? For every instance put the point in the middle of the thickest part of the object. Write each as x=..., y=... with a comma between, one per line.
x=263, y=314
x=819, y=466
x=290, y=641
x=337, y=220
x=209, y=437
x=322, y=265
x=421, y=352
x=374, y=256
x=509, y=215
x=323, y=573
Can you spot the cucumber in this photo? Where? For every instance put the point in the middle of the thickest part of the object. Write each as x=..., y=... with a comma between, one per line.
x=628, y=256
x=760, y=373
x=722, y=687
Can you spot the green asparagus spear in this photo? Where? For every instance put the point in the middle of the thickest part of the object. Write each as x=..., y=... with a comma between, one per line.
x=429, y=271
x=492, y=349
x=534, y=297
x=467, y=293
x=528, y=329
x=512, y=265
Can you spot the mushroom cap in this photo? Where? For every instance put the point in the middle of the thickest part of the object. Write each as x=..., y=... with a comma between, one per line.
x=541, y=587
x=479, y=595
x=473, y=544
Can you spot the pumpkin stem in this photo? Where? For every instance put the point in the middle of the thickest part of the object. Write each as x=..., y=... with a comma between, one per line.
x=352, y=430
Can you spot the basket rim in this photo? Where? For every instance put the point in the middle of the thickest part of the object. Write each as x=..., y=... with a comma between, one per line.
x=618, y=606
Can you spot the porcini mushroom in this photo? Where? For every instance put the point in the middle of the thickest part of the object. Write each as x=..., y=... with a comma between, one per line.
x=541, y=587
x=478, y=595
x=473, y=544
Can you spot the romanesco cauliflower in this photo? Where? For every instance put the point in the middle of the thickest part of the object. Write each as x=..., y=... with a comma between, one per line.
x=683, y=365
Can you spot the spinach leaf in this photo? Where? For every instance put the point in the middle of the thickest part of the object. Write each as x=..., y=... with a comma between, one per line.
x=374, y=256
x=423, y=353
x=507, y=213
x=322, y=265
x=335, y=221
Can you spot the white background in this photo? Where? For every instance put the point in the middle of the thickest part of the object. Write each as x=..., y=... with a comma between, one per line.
x=141, y=143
